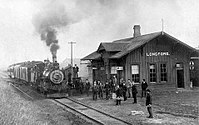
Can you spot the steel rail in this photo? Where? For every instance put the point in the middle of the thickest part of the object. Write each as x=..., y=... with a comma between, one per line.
x=21, y=91
x=92, y=119
x=73, y=109
x=106, y=114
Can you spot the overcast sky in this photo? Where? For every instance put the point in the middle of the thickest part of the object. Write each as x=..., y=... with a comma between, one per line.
x=88, y=22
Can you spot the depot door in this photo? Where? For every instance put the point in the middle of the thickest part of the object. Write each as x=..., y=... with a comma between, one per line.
x=180, y=78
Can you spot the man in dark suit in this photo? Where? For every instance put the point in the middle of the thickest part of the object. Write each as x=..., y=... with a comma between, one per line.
x=144, y=87
x=107, y=90
x=149, y=103
x=75, y=71
x=134, y=93
x=124, y=90
x=87, y=87
x=95, y=90
x=118, y=95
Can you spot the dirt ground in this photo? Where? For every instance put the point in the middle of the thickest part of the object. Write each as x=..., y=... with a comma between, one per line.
x=17, y=109
x=171, y=108
x=183, y=103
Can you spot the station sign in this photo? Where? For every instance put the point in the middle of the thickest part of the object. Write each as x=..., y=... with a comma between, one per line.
x=119, y=68
x=157, y=54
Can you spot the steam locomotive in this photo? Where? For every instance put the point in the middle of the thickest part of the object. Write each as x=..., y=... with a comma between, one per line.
x=46, y=77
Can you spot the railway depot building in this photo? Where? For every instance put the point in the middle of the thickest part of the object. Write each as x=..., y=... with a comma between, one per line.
x=160, y=59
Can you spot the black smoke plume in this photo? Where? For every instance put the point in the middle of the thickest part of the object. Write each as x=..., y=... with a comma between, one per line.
x=47, y=21
x=56, y=14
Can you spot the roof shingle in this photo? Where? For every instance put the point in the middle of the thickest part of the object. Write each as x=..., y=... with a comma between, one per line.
x=112, y=47
x=125, y=46
x=93, y=56
x=135, y=43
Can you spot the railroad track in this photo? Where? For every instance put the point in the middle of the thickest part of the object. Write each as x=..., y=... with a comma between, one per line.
x=22, y=91
x=90, y=112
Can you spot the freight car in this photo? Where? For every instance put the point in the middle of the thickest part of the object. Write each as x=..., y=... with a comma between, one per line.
x=46, y=77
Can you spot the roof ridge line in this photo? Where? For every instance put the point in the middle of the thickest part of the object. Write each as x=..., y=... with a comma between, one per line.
x=138, y=36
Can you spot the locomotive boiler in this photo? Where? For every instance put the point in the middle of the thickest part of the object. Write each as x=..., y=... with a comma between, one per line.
x=46, y=77
x=53, y=78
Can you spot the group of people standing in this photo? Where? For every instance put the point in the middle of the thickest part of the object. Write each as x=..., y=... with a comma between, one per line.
x=121, y=91
x=111, y=89
x=99, y=89
x=81, y=87
x=125, y=90
x=118, y=90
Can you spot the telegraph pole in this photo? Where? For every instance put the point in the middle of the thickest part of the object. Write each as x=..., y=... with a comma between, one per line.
x=72, y=58
x=72, y=52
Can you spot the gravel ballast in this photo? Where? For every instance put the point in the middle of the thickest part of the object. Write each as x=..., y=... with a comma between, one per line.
x=16, y=109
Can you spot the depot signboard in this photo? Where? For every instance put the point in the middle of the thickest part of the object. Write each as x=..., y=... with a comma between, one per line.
x=157, y=54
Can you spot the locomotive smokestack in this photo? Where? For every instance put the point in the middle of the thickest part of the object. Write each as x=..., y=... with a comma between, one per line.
x=53, y=48
x=54, y=58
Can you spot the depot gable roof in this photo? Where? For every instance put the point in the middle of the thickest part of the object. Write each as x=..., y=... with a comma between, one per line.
x=127, y=45
x=93, y=56
x=112, y=47
x=135, y=43
x=141, y=40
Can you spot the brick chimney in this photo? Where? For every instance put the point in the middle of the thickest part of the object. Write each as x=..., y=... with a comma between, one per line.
x=136, y=31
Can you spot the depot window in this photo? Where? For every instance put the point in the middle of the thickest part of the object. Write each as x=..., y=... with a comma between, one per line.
x=135, y=73
x=152, y=73
x=163, y=72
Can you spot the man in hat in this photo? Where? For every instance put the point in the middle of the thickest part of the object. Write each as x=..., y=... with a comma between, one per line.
x=149, y=103
x=118, y=95
x=144, y=86
x=95, y=90
x=75, y=71
x=87, y=87
x=134, y=92
x=129, y=88
x=124, y=90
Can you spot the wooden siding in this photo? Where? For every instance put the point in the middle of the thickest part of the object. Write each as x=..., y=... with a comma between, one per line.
x=177, y=54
